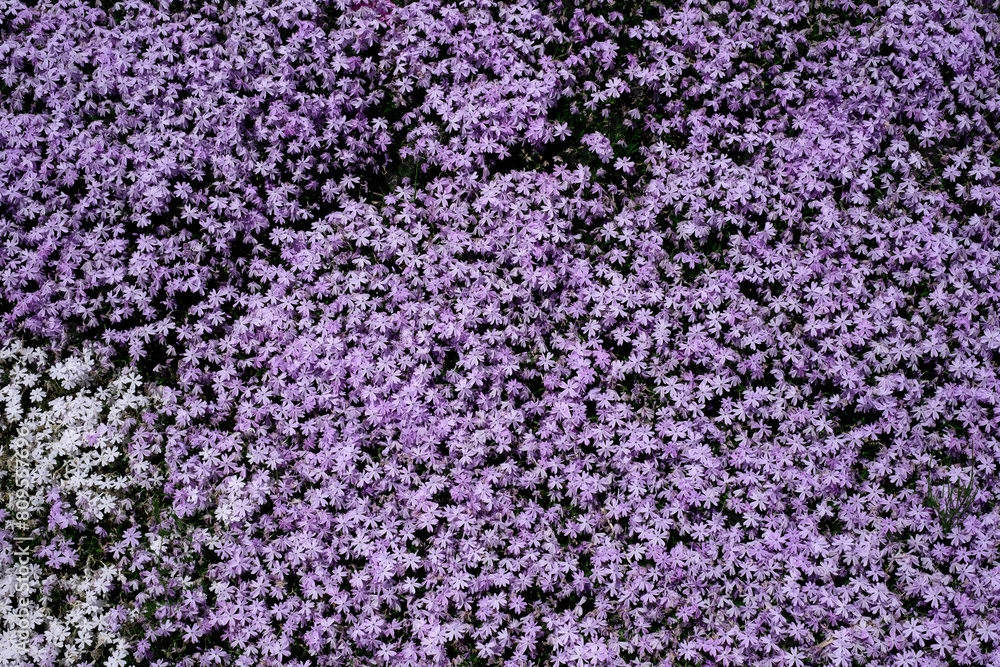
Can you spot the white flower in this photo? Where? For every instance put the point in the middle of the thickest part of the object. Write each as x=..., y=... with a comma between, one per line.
x=75, y=442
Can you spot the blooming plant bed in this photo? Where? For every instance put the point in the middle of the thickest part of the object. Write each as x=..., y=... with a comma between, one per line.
x=522, y=334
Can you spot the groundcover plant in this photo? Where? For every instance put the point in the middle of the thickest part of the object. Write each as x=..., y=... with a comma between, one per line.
x=529, y=333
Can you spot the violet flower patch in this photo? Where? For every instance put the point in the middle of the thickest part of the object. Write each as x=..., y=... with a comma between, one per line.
x=536, y=333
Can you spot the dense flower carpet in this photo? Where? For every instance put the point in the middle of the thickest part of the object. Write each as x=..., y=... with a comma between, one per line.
x=541, y=333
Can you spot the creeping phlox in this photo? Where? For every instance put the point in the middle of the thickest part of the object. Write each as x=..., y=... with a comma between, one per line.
x=65, y=425
x=527, y=334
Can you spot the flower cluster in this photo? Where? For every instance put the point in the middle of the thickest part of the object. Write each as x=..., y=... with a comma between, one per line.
x=546, y=332
x=66, y=453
